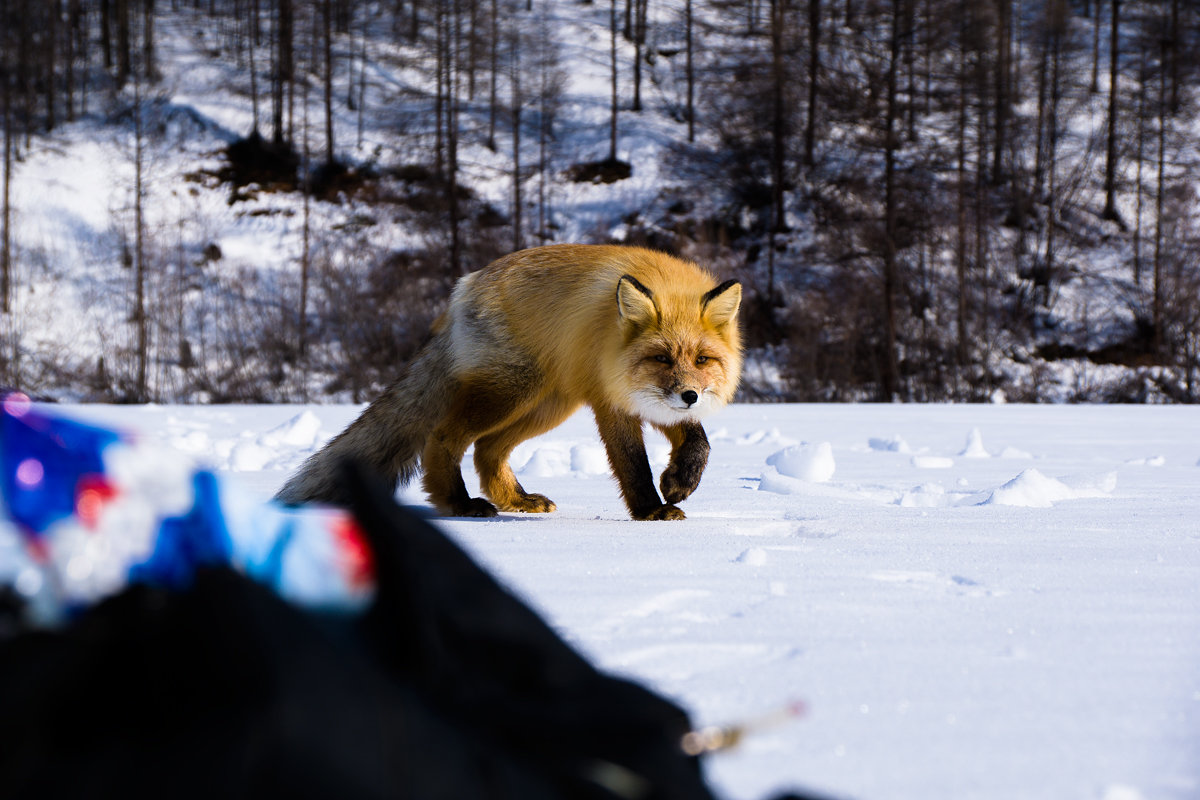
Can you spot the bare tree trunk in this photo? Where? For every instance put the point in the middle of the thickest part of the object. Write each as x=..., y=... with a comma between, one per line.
x=6, y=264
x=305, y=243
x=453, y=67
x=1110, y=170
x=149, y=67
x=285, y=70
x=1158, y=216
x=74, y=26
x=544, y=118
x=473, y=45
x=362, y=79
x=139, y=227
x=890, y=384
x=1052, y=204
x=1003, y=87
x=1039, y=165
x=106, y=14
x=1141, y=155
x=253, y=71
x=1172, y=56
x=612, y=127
x=691, y=73
x=439, y=95
x=960, y=254
x=517, y=100
x=639, y=41
x=814, y=68
x=123, y=55
x=50, y=51
x=779, y=124
x=327, y=42
x=495, y=62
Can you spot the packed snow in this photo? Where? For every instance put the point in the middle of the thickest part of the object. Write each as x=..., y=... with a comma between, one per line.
x=969, y=601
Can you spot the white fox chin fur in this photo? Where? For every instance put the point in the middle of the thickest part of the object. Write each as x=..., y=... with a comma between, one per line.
x=654, y=407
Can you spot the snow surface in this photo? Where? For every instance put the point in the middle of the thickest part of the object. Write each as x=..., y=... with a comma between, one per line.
x=958, y=625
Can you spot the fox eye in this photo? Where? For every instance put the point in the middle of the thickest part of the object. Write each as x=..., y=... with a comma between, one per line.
x=663, y=359
x=701, y=360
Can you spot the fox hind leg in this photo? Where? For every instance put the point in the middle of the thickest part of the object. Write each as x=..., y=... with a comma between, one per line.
x=492, y=451
x=476, y=410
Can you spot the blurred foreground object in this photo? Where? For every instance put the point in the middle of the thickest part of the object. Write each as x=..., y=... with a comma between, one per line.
x=87, y=511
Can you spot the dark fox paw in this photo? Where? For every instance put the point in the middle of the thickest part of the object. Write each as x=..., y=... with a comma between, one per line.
x=530, y=504
x=679, y=481
x=666, y=511
x=473, y=507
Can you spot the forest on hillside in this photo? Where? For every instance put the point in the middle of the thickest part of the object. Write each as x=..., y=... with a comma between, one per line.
x=927, y=200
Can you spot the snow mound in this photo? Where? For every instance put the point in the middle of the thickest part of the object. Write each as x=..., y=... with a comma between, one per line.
x=250, y=456
x=1013, y=452
x=589, y=459
x=805, y=462
x=302, y=430
x=547, y=462
x=927, y=495
x=1032, y=489
x=975, y=448
x=1153, y=461
x=754, y=556
x=893, y=445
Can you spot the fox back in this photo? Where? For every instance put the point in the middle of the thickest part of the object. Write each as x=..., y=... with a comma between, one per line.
x=629, y=327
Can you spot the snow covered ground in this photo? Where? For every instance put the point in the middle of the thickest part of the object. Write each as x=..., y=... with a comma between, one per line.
x=971, y=601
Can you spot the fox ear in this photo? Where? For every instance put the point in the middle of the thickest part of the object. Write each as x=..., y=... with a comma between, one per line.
x=720, y=305
x=635, y=303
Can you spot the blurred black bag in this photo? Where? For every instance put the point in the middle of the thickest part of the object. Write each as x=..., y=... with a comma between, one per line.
x=447, y=687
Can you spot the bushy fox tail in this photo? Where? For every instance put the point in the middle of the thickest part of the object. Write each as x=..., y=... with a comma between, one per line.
x=388, y=437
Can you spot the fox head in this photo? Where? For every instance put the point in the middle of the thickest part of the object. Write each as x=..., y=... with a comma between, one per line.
x=682, y=349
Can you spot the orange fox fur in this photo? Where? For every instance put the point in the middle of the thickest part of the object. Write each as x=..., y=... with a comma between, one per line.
x=637, y=335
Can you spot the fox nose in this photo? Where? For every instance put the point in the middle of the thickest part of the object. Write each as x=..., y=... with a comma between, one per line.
x=689, y=397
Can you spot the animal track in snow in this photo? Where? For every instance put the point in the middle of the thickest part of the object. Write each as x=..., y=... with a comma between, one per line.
x=932, y=581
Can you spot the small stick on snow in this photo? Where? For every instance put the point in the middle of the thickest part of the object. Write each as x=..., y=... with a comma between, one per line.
x=714, y=738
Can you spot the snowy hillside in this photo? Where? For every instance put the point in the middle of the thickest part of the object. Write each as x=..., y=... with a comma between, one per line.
x=987, y=602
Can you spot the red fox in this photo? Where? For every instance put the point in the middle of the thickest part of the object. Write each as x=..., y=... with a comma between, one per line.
x=639, y=336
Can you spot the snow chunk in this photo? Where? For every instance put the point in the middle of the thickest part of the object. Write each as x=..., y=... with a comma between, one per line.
x=547, y=462
x=805, y=462
x=302, y=430
x=249, y=456
x=754, y=556
x=589, y=459
x=975, y=448
x=892, y=445
x=772, y=481
x=927, y=495
x=1032, y=489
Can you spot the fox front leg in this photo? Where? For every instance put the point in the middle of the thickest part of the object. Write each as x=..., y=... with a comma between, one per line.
x=622, y=437
x=689, y=457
